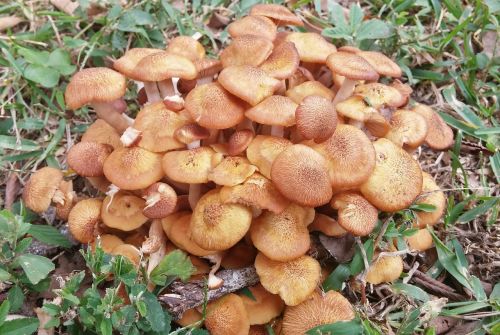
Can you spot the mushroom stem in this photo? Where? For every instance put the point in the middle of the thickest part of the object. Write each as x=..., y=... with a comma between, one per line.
x=194, y=195
x=345, y=91
x=59, y=197
x=166, y=88
x=112, y=113
x=152, y=91
x=156, y=230
x=265, y=129
x=277, y=131
x=194, y=145
x=204, y=80
x=214, y=282
x=130, y=136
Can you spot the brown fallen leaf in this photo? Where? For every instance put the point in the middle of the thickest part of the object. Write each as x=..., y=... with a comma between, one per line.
x=491, y=44
x=7, y=22
x=66, y=6
x=12, y=188
x=44, y=318
x=341, y=248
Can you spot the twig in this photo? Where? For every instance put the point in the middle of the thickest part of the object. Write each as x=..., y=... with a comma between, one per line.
x=382, y=231
x=411, y=272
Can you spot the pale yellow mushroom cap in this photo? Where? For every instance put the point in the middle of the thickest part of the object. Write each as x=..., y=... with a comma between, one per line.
x=275, y=110
x=420, y=241
x=299, y=92
x=237, y=53
x=253, y=25
x=123, y=211
x=233, y=170
x=127, y=63
x=190, y=166
x=263, y=150
x=265, y=307
x=186, y=46
x=312, y=47
x=431, y=195
x=164, y=65
x=385, y=269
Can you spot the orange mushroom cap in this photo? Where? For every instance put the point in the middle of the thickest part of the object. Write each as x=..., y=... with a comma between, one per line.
x=186, y=46
x=351, y=66
x=432, y=195
x=227, y=316
x=299, y=92
x=87, y=158
x=41, y=188
x=263, y=307
x=237, y=52
x=316, y=118
x=254, y=25
x=283, y=61
x=190, y=166
x=101, y=132
x=312, y=47
x=439, y=134
x=83, y=219
x=275, y=110
x=280, y=14
x=263, y=150
x=355, y=213
x=123, y=211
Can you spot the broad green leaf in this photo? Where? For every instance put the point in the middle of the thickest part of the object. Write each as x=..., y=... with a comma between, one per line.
x=36, y=267
x=141, y=17
x=339, y=328
x=23, y=326
x=4, y=310
x=34, y=56
x=16, y=298
x=106, y=327
x=335, y=280
x=156, y=316
x=175, y=264
x=4, y=275
x=373, y=29
x=355, y=16
x=411, y=291
x=337, y=17
x=495, y=293
x=47, y=77
x=49, y=235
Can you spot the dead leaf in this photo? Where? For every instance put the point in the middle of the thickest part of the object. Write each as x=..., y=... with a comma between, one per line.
x=7, y=22
x=341, y=248
x=12, y=188
x=491, y=44
x=66, y=6
x=44, y=318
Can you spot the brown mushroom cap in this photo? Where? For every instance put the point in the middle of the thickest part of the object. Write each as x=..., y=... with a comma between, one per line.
x=83, y=219
x=265, y=307
x=126, y=63
x=263, y=150
x=161, y=200
x=239, y=141
x=98, y=84
x=316, y=118
x=294, y=281
x=254, y=25
x=41, y=188
x=299, y=92
x=312, y=47
x=242, y=46
x=164, y=65
x=282, y=237
x=248, y=83
x=190, y=166
x=432, y=195
x=189, y=317
x=232, y=171
x=239, y=256
x=420, y=241
x=404, y=89
x=408, y=129
x=186, y=46
x=191, y=132
x=439, y=134
x=101, y=132
x=355, y=213
x=327, y=225
x=87, y=158
x=385, y=269
x=128, y=251
x=107, y=242
x=280, y=14
x=396, y=180
x=216, y=225
x=300, y=174
x=133, y=168
x=211, y=106
x=379, y=95
x=381, y=63
x=275, y=110
x=355, y=108
x=123, y=211
x=319, y=309
x=351, y=66
x=283, y=61
x=207, y=67
x=227, y=316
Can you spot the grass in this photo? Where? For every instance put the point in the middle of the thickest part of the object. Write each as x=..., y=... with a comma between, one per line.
x=449, y=51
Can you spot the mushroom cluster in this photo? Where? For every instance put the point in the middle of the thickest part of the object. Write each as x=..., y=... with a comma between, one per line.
x=237, y=160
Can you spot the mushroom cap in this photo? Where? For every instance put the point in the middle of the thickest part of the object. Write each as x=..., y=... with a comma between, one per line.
x=351, y=66
x=255, y=25
x=282, y=237
x=239, y=256
x=190, y=166
x=281, y=15
x=301, y=175
x=107, y=242
x=242, y=46
x=128, y=251
x=127, y=63
x=355, y=108
x=164, y=65
x=257, y=191
x=385, y=269
x=327, y=225
x=432, y=195
x=186, y=46
x=191, y=132
x=227, y=316
x=207, y=67
x=99, y=183
x=355, y=213
x=211, y=106
x=161, y=201
x=294, y=280
x=70, y=199
x=300, y=76
x=216, y=225
x=248, y=83
x=404, y=89
x=41, y=187
x=381, y=63
x=239, y=141
x=299, y=92
x=231, y=171
x=408, y=129
x=123, y=211
x=282, y=62
x=319, y=309
x=316, y=118
x=349, y=48
x=379, y=95
x=350, y=155
x=265, y=307
x=98, y=84
x=439, y=134
x=101, y=132
x=87, y=158
x=420, y=241
x=133, y=168
x=83, y=219
x=312, y=47
x=189, y=317
x=377, y=125
x=263, y=150
x=275, y=110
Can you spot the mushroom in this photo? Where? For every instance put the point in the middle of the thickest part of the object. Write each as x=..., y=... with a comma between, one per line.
x=101, y=132
x=232, y=171
x=420, y=241
x=404, y=89
x=103, y=89
x=191, y=134
x=384, y=269
x=263, y=306
x=239, y=141
x=239, y=256
x=190, y=317
x=227, y=316
x=276, y=111
x=379, y=95
x=303, y=75
x=87, y=158
x=439, y=134
x=279, y=14
x=186, y=46
x=161, y=201
x=312, y=47
x=316, y=118
x=237, y=52
x=123, y=211
x=130, y=252
x=156, y=247
x=355, y=213
x=408, y=129
x=301, y=91
x=381, y=63
x=107, y=242
x=42, y=189
x=263, y=150
x=283, y=62
x=327, y=225
x=431, y=195
x=84, y=218
x=70, y=199
x=253, y=25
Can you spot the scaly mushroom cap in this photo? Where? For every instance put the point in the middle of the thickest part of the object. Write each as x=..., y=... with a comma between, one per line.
x=431, y=195
x=300, y=174
x=300, y=76
x=216, y=225
x=299, y=92
x=83, y=219
x=408, y=129
x=211, y=106
x=186, y=46
x=242, y=46
x=294, y=281
x=41, y=188
x=377, y=125
x=190, y=166
x=439, y=134
x=381, y=63
x=133, y=168
x=161, y=201
x=128, y=251
x=355, y=108
x=98, y=84
x=191, y=132
x=164, y=65
x=283, y=61
x=349, y=48
x=101, y=132
x=107, y=242
x=379, y=95
x=70, y=199
x=248, y=83
x=327, y=225
x=282, y=237
x=404, y=89
x=227, y=316
x=275, y=110
x=254, y=25
x=87, y=158
x=207, y=67
x=319, y=309
x=239, y=141
x=316, y=118
x=265, y=307
x=127, y=63
x=385, y=269
x=239, y=256
x=279, y=14
x=350, y=155
x=351, y=66
x=420, y=241
x=263, y=150
x=396, y=180
x=232, y=171
x=355, y=213
x=257, y=191
x=312, y=47
x=123, y=211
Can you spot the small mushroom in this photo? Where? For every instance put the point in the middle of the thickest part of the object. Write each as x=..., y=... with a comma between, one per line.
x=186, y=46
x=227, y=316
x=83, y=220
x=87, y=158
x=384, y=269
x=191, y=134
x=237, y=52
x=42, y=189
x=123, y=211
x=279, y=14
x=355, y=213
x=420, y=241
x=263, y=150
x=312, y=47
x=239, y=141
x=239, y=256
x=101, y=132
x=263, y=307
x=381, y=63
x=439, y=134
x=128, y=251
x=232, y=171
x=254, y=25
x=316, y=118
x=107, y=242
x=276, y=111
x=70, y=199
x=379, y=95
x=161, y=201
x=408, y=129
x=283, y=62
x=327, y=225
x=301, y=91
x=431, y=195
x=404, y=89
